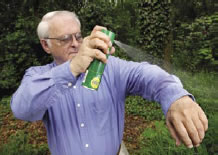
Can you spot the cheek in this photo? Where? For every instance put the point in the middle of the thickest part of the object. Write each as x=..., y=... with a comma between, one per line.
x=61, y=52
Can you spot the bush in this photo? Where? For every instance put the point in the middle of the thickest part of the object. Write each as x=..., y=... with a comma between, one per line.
x=110, y=16
x=191, y=45
x=136, y=105
x=20, y=49
x=154, y=25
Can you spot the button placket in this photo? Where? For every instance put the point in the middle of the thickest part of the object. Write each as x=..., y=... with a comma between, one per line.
x=80, y=115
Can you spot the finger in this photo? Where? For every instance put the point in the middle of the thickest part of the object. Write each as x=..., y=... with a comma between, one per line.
x=99, y=55
x=112, y=51
x=79, y=65
x=182, y=132
x=203, y=119
x=200, y=128
x=85, y=63
x=101, y=36
x=173, y=133
x=99, y=44
x=192, y=131
x=98, y=28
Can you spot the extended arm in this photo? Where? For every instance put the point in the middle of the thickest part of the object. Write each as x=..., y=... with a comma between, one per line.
x=186, y=121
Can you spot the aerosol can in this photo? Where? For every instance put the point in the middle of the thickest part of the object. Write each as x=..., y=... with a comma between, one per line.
x=95, y=71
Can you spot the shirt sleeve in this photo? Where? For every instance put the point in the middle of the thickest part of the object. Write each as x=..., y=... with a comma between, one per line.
x=149, y=81
x=38, y=91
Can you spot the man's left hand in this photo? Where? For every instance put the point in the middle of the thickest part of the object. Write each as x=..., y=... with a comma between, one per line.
x=187, y=122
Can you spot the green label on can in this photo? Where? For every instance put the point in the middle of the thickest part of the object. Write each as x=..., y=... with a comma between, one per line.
x=95, y=82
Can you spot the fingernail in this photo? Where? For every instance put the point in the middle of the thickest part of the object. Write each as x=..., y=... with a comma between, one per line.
x=190, y=146
x=197, y=145
x=177, y=143
x=110, y=44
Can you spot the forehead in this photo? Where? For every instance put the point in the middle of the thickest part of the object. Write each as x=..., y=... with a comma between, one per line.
x=63, y=24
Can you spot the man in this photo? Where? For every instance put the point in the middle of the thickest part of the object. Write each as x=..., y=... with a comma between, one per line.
x=85, y=122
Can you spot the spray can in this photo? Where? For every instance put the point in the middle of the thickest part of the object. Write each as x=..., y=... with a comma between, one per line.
x=95, y=71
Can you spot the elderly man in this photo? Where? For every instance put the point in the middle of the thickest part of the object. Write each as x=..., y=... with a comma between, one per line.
x=86, y=122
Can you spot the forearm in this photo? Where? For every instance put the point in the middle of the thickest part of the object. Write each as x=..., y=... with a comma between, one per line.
x=153, y=83
x=165, y=88
x=168, y=92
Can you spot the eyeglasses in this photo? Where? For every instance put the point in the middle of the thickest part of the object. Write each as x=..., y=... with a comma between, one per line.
x=68, y=38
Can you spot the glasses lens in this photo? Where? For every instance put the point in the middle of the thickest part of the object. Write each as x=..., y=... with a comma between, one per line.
x=78, y=37
x=67, y=38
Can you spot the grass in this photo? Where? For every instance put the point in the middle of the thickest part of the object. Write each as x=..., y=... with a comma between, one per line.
x=203, y=86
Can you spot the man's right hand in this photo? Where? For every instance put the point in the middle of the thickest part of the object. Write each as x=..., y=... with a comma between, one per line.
x=95, y=45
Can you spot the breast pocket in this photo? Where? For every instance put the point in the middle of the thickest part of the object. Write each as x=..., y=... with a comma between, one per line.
x=102, y=115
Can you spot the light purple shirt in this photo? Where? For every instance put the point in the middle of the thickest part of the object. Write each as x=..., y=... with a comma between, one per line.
x=80, y=121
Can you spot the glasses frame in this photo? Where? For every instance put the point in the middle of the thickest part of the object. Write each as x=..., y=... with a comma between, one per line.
x=68, y=38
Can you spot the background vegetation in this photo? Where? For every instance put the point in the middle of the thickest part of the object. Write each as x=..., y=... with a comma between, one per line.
x=180, y=34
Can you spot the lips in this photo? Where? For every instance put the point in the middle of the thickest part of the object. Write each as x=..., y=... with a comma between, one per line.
x=73, y=52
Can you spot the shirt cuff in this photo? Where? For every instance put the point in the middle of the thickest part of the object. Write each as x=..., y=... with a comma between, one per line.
x=165, y=105
x=62, y=74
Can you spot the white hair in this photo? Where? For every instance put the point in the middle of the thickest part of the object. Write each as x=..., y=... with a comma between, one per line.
x=43, y=26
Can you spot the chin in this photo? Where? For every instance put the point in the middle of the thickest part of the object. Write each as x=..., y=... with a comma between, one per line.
x=72, y=55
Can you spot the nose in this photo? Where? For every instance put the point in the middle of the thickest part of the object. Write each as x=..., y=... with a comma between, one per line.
x=74, y=43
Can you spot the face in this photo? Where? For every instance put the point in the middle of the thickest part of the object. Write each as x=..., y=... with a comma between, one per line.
x=65, y=38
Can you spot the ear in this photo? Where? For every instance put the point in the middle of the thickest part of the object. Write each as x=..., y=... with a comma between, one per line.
x=45, y=46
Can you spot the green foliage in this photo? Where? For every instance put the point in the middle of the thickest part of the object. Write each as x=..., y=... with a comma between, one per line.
x=110, y=16
x=93, y=14
x=211, y=140
x=187, y=10
x=4, y=108
x=18, y=51
x=214, y=33
x=203, y=86
x=192, y=50
x=136, y=105
x=120, y=53
x=19, y=143
x=154, y=25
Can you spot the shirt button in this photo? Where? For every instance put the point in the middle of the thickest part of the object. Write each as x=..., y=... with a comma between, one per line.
x=69, y=84
x=74, y=86
x=87, y=145
x=82, y=125
x=78, y=105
